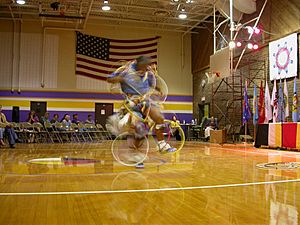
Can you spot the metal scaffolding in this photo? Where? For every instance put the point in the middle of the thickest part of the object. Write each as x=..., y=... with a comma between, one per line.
x=227, y=94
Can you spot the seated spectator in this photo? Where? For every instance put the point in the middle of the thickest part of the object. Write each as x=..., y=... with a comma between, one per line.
x=2, y=129
x=66, y=121
x=32, y=117
x=45, y=118
x=75, y=119
x=175, y=124
x=90, y=120
x=7, y=127
x=212, y=125
x=54, y=119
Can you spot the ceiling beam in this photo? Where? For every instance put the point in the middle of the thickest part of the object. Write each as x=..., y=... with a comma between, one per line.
x=140, y=21
x=88, y=13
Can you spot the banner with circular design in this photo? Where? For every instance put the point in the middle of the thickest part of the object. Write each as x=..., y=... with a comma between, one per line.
x=283, y=57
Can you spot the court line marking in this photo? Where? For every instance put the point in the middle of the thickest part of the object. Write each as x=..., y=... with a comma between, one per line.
x=146, y=190
x=266, y=152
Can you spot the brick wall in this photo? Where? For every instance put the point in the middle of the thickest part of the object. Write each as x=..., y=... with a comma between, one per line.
x=254, y=66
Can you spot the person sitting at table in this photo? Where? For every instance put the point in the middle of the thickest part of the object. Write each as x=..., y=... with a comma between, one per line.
x=175, y=124
x=212, y=125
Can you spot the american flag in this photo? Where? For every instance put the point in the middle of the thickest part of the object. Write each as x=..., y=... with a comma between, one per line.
x=97, y=57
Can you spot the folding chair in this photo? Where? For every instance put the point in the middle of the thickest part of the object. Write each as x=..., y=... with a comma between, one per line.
x=53, y=133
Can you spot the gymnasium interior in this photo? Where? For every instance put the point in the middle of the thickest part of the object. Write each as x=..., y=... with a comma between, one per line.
x=226, y=75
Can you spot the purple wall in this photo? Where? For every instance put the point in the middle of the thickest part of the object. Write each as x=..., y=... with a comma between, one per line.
x=84, y=95
x=82, y=116
x=80, y=95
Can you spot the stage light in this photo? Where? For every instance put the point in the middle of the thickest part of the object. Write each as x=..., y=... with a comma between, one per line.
x=182, y=14
x=255, y=46
x=232, y=44
x=249, y=29
x=105, y=6
x=238, y=44
x=250, y=46
x=256, y=30
x=21, y=2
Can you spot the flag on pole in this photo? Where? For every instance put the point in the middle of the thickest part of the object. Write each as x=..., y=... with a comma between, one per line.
x=280, y=105
x=255, y=106
x=274, y=102
x=295, y=112
x=246, y=108
x=286, y=99
x=261, y=104
x=268, y=108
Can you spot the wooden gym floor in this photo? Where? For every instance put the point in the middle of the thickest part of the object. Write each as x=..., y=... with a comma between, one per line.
x=204, y=184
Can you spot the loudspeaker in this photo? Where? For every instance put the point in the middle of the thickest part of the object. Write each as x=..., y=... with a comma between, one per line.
x=16, y=114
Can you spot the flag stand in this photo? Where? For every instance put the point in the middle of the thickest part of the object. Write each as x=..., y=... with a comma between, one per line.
x=245, y=137
x=254, y=132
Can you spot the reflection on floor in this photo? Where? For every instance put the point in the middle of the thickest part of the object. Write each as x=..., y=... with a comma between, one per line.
x=67, y=174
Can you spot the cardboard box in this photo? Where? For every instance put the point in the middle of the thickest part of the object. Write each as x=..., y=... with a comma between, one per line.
x=218, y=136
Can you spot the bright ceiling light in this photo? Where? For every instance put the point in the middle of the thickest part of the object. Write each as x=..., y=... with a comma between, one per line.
x=250, y=29
x=231, y=44
x=21, y=2
x=256, y=30
x=182, y=14
x=250, y=45
x=255, y=46
x=238, y=44
x=105, y=7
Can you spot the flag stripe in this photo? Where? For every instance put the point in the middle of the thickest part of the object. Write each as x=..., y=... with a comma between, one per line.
x=110, y=64
x=93, y=69
x=154, y=44
x=117, y=61
x=132, y=44
x=95, y=63
x=131, y=50
x=132, y=53
x=134, y=41
x=91, y=75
